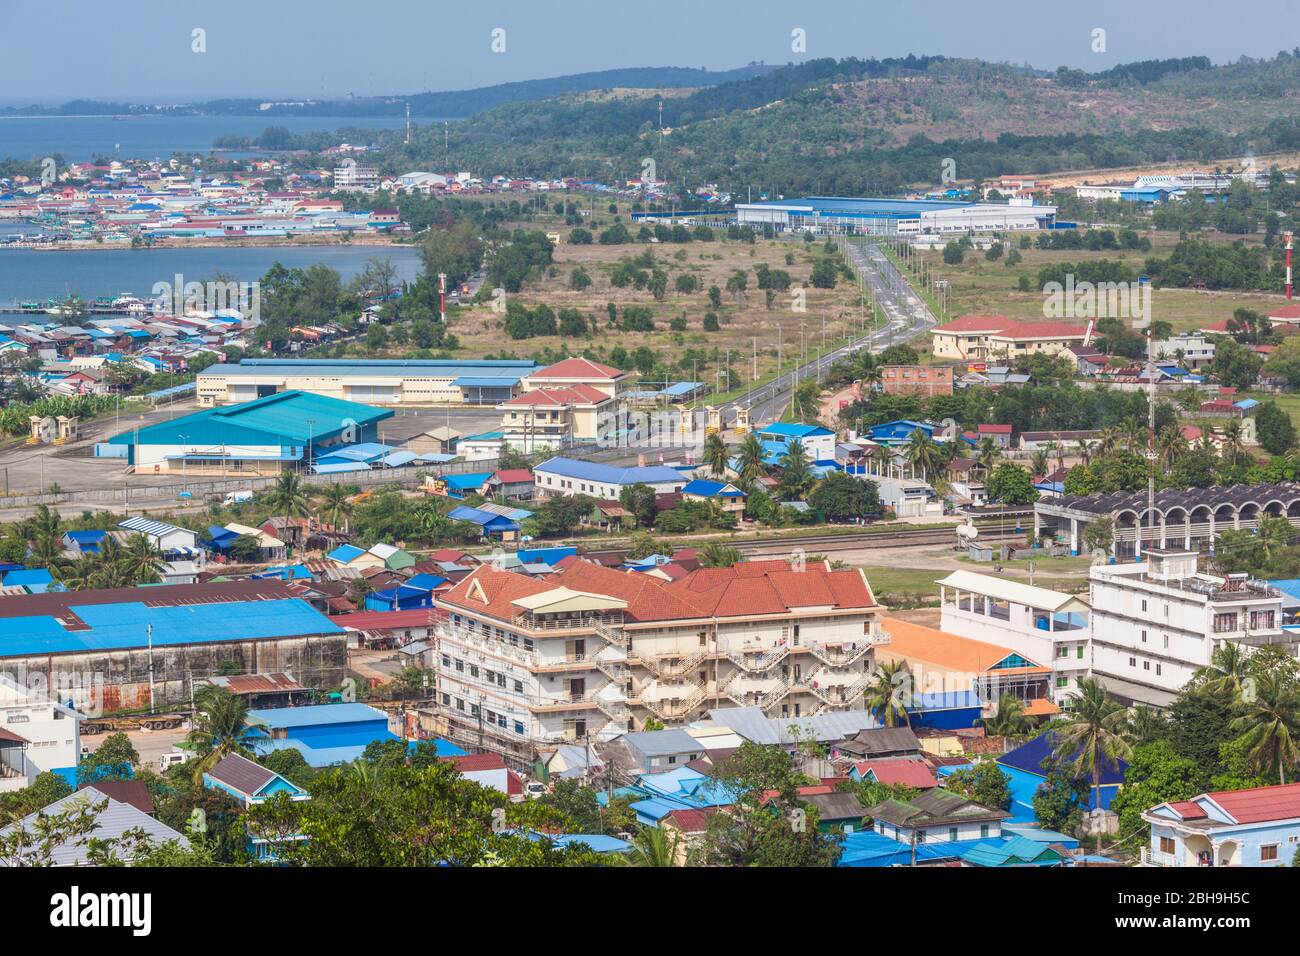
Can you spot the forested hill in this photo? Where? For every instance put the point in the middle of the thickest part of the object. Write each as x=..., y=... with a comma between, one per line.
x=857, y=126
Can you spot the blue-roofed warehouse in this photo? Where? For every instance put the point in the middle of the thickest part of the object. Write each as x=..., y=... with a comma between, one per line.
x=156, y=641
x=326, y=733
x=572, y=476
x=387, y=382
x=264, y=436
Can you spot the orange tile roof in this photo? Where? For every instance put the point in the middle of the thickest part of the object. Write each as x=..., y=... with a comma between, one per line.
x=569, y=395
x=963, y=654
x=1041, y=707
x=774, y=587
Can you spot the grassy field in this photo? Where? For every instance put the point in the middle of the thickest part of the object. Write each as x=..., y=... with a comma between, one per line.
x=912, y=586
x=980, y=287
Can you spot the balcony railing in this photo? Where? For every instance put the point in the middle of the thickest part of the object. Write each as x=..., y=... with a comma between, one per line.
x=757, y=659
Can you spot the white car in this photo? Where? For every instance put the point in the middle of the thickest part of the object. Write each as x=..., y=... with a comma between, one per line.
x=534, y=789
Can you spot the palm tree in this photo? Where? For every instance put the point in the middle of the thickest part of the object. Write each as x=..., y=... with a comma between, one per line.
x=715, y=554
x=881, y=456
x=796, y=472
x=1171, y=445
x=715, y=454
x=1009, y=720
x=923, y=453
x=987, y=455
x=78, y=575
x=749, y=457
x=889, y=694
x=44, y=523
x=1092, y=733
x=1135, y=434
x=334, y=504
x=1145, y=724
x=142, y=560
x=1269, y=728
x=1234, y=445
x=289, y=496
x=1038, y=462
x=110, y=565
x=652, y=847
x=1108, y=441
x=220, y=728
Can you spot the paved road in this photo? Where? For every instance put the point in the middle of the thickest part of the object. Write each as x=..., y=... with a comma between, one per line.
x=906, y=314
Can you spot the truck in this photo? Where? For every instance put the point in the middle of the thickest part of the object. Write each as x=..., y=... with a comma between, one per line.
x=237, y=497
x=108, y=725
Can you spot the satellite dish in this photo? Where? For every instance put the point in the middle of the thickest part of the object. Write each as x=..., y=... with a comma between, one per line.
x=967, y=531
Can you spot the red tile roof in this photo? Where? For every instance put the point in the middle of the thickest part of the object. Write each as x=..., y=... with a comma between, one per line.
x=773, y=587
x=1010, y=328
x=1188, y=810
x=1261, y=804
x=472, y=762
x=11, y=736
x=907, y=773
x=975, y=323
x=381, y=620
x=995, y=429
x=691, y=821
x=559, y=397
x=1285, y=312
x=577, y=368
x=511, y=476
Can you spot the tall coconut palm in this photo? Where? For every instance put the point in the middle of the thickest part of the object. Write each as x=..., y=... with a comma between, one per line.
x=923, y=453
x=142, y=560
x=880, y=456
x=715, y=454
x=220, y=728
x=1268, y=729
x=1091, y=734
x=749, y=457
x=1009, y=720
x=1171, y=445
x=652, y=847
x=335, y=507
x=889, y=695
x=1108, y=441
x=289, y=496
x=111, y=565
x=796, y=472
x=1038, y=462
x=1234, y=444
x=43, y=524
x=1146, y=724
x=987, y=455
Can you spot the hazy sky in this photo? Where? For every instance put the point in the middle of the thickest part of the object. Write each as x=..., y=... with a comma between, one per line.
x=58, y=49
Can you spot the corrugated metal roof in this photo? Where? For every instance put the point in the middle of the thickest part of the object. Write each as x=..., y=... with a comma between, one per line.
x=111, y=823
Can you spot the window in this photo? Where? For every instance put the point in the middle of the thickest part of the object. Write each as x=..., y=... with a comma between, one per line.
x=519, y=727
x=952, y=834
x=1167, y=846
x=1062, y=682
x=984, y=831
x=519, y=687
x=1157, y=670
x=1146, y=665
x=1144, y=637
x=1063, y=651
x=1144, y=604
x=1268, y=853
x=920, y=836
x=1225, y=622
x=1080, y=651
x=1261, y=620
x=1132, y=662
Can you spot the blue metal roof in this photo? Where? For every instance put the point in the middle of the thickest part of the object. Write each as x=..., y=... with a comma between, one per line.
x=345, y=553
x=608, y=474
x=709, y=489
x=483, y=518
x=339, y=467
x=794, y=430
x=315, y=715
x=125, y=625
x=1029, y=757
x=551, y=556
x=467, y=481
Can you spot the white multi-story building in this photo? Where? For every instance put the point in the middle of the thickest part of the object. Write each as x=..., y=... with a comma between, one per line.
x=1195, y=349
x=1047, y=626
x=525, y=663
x=357, y=179
x=36, y=734
x=1155, y=622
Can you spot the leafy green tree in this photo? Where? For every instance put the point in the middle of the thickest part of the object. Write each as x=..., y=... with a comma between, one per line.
x=114, y=759
x=984, y=783
x=841, y=497
x=766, y=825
x=1273, y=428
x=639, y=499
x=1155, y=774
x=1011, y=485
x=578, y=804
x=1061, y=797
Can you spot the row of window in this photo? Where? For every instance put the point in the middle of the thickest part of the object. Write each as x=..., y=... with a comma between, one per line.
x=488, y=716
x=496, y=678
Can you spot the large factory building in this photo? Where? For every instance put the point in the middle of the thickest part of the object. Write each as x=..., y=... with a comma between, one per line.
x=905, y=217
x=385, y=382
x=132, y=648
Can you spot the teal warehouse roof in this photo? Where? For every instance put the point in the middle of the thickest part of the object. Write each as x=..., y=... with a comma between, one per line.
x=286, y=418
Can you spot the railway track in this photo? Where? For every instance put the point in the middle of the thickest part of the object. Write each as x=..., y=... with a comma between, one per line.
x=818, y=544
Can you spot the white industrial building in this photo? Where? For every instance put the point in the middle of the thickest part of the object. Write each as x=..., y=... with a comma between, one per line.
x=1155, y=622
x=37, y=734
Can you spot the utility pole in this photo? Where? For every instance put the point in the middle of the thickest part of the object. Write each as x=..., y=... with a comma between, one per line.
x=149, y=632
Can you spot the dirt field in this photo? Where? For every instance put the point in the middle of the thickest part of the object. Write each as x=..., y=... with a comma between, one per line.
x=746, y=324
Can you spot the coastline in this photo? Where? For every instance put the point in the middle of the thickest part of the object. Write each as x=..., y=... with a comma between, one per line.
x=83, y=245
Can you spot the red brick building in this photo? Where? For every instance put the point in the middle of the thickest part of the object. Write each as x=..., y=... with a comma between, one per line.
x=916, y=379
